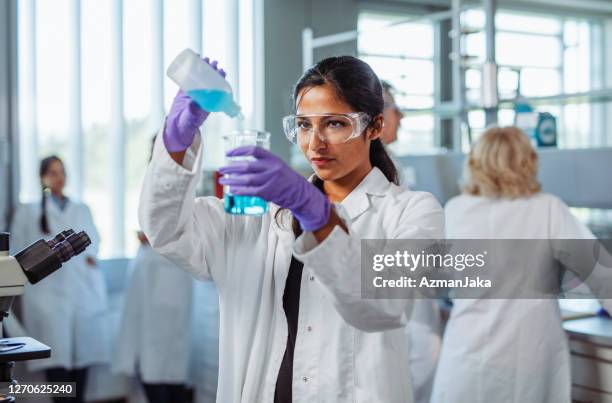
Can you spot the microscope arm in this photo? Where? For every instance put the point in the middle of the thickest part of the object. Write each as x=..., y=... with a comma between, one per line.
x=12, y=277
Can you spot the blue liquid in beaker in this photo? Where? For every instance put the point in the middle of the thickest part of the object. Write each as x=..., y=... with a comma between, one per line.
x=215, y=101
x=249, y=205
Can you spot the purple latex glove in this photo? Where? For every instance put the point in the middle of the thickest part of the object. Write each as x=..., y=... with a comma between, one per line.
x=271, y=179
x=184, y=118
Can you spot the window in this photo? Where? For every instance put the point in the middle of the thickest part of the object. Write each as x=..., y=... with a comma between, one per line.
x=407, y=63
x=142, y=74
x=97, y=99
x=529, y=56
x=538, y=56
x=92, y=89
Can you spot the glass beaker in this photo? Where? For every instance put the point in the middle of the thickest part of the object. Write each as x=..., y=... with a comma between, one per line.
x=249, y=205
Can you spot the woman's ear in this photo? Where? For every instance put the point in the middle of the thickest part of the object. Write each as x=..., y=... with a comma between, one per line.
x=375, y=129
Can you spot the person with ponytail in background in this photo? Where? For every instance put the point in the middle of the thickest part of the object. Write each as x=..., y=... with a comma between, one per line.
x=294, y=326
x=65, y=311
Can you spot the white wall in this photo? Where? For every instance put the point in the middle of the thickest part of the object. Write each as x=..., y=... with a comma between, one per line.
x=283, y=25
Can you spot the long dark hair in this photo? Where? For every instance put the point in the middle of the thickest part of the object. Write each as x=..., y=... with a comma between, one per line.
x=45, y=164
x=356, y=84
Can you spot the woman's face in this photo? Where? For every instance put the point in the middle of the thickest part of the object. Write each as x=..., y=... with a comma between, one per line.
x=55, y=177
x=333, y=161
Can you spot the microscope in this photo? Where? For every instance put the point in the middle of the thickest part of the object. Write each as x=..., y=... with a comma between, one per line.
x=32, y=264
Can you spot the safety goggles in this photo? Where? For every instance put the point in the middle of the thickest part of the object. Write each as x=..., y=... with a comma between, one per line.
x=332, y=128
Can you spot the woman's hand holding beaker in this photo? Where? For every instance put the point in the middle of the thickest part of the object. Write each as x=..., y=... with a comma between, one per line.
x=270, y=178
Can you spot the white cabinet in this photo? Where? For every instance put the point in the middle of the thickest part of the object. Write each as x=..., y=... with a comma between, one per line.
x=590, y=341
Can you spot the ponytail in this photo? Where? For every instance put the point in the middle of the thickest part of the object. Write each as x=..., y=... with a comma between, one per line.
x=44, y=224
x=379, y=158
x=44, y=167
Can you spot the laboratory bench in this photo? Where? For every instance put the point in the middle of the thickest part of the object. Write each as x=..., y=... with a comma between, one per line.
x=590, y=342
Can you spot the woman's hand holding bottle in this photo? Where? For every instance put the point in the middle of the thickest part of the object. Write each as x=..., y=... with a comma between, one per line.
x=184, y=119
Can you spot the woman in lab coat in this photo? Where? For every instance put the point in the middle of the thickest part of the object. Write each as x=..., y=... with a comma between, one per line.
x=293, y=324
x=154, y=342
x=66, y=310
x=506, y=350
x=205, y=342
x=158, y=293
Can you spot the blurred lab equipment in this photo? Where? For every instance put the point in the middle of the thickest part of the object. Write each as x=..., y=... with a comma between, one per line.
x=30, y=265
x=243, y=204
x=540, y=127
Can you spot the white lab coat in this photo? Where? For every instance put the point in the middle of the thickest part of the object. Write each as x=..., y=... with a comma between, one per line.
x=205, y=353
x=154, y=340
x=348, y=349
x=506, y=350
x=424, y=333
x=67, y=309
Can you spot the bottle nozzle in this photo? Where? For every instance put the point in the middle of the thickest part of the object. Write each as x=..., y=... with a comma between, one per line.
x=234, y=111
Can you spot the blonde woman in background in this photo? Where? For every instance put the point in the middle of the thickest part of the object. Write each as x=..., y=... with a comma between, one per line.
x=506, y=350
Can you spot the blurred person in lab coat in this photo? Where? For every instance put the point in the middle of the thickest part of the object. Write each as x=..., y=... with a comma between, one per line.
x=155, y=331
x=66, y=311
x=392, y=115
x=507, y=350
x=154, y=342
x=293, y=324
x=205, y=336
x=392, y=118
x=424, y=328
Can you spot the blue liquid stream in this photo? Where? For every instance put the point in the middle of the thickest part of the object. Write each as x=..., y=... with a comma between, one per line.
x=215, y=101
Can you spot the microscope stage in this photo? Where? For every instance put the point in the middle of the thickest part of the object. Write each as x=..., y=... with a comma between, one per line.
x=22, y=349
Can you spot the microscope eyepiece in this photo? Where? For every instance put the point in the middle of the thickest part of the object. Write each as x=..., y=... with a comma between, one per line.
x=79, y=242
x=72, y=245
x=59, y=238
x=44, y=257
